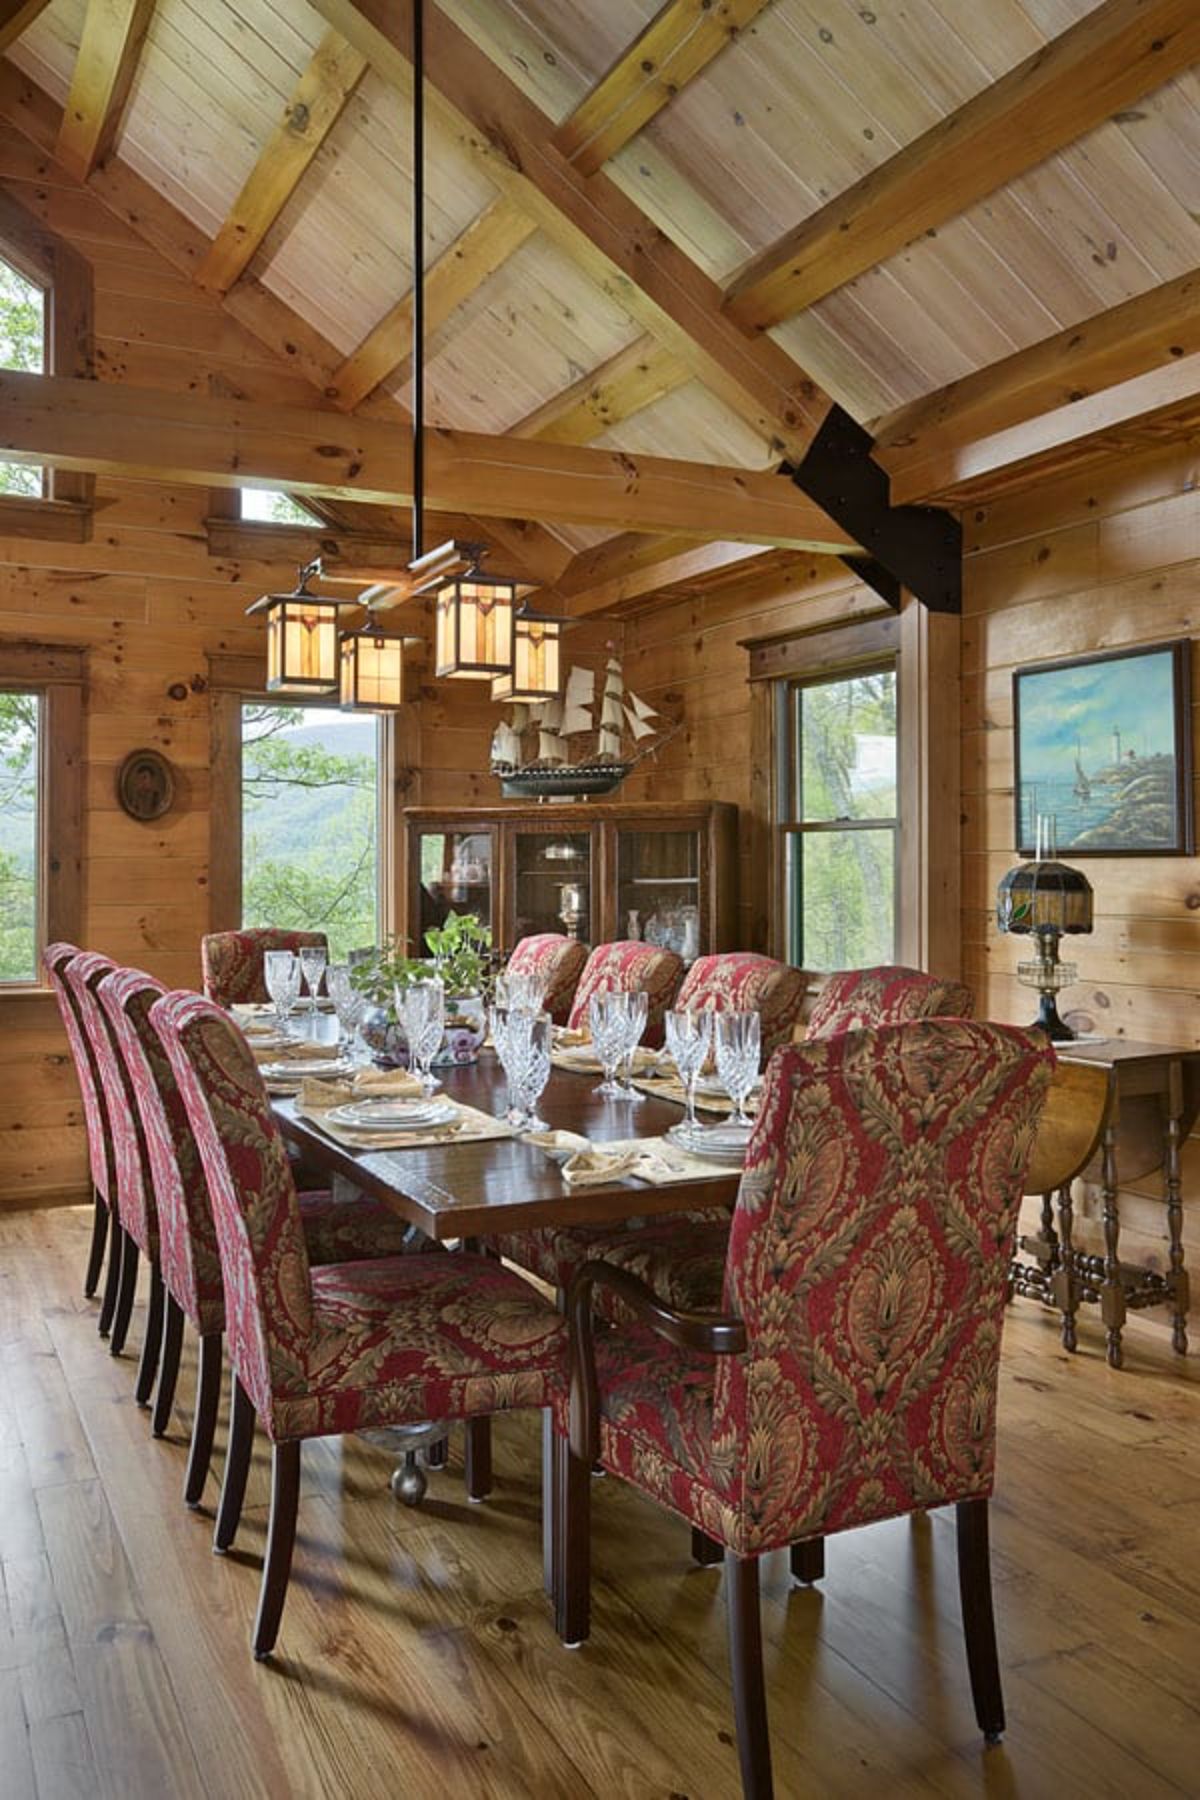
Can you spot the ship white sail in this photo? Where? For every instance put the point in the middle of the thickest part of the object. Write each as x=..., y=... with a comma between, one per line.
x=520, y=716
x=638, y=728
x=577, y=700
x=641, y=707
x=506, y=745
x=551, y=748
x=611, y=714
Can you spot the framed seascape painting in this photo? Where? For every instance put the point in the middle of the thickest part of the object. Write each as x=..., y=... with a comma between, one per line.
x=1102, y=744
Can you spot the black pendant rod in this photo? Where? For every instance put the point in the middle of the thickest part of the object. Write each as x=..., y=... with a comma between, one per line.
x=418, y=278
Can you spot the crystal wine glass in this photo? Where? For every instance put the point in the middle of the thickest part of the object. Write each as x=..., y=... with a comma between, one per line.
x=421, y=1009
x=534, y=1072
x=608, y=1018
x=738, y=1041
x=279, y=968
x=637, y=1007
x=347, y=1001
x=689, y=1035
x=525, y=992
x=312, y=966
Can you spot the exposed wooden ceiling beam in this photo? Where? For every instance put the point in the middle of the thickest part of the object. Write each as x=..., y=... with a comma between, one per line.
x=17, y=16
x=606, y=234
x=607, y=578
x=1120, y=51
x=634, y=378
x=1151, y=409
x=1144, y=333
x=464, y=266
x=678, y=43
x=310, y=115
x=112, y=429
x=109, y=47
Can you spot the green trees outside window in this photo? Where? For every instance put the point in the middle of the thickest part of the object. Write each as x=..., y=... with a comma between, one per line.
x=22, y=346
x=20, y=727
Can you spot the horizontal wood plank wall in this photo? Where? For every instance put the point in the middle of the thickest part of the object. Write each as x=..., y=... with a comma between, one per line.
x=149, y=605
x=1095, y=562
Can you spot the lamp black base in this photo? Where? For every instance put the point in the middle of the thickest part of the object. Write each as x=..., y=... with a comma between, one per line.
x=1049, y=1021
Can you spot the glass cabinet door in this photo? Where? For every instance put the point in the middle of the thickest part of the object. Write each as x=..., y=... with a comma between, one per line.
x=659, y=894
x=455, y=873
x=552, y=883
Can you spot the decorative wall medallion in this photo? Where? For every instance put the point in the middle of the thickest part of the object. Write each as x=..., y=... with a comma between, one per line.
x=145, y=785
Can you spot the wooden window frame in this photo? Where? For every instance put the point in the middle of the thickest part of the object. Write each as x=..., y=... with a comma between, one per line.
x=926, y=648
x=56, y=673
x=233, y=681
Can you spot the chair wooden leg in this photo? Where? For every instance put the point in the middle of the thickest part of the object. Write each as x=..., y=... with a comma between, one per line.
x=478, y=1458
x=979, y=1624
x=749, y=1685
x=237, y=1467
x=204, y=1418
x=808, y=1560
x=168, y=1365
x=152, y=1342
x=573, y=1527
x=281, y=1539
x=125, y=1294
x=95, y=1262
x=112, y=1278
x=705, y=1550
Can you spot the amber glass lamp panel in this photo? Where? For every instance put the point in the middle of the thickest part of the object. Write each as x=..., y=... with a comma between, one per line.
x=372, y=672
x=302, y=647
x=536, y=659
x=474, y=629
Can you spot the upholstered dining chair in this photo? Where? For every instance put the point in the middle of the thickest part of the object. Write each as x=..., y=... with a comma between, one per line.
x=232, y=961
x=321, y=1351
x=335, y=1230
x=557, y=962
x=629, y=967
x=741, y=981
x=886, y=995
x=852, y=1374
x=136, y=1220
x=55, y=960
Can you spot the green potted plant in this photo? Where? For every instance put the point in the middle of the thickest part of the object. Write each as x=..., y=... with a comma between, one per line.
x=376, y=975
x=461, y=952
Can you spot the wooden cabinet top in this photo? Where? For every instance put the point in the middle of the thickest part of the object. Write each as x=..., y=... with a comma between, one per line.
x=580, y=813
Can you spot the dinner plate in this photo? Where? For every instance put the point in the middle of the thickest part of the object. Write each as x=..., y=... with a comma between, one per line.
x=393, y=1115
x=725, y=1143
x=297, y=1068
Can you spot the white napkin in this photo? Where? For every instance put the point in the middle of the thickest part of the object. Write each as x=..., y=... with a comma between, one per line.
x=367, y=1084
x=593, y=1166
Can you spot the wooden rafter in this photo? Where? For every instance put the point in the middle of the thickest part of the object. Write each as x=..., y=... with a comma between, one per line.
x=614, y=575
x=1151, y=409
x=17, y=16
x=475, y=254
x=1116, y=53
x=310, y=115
x=678, y=43
x=634, y=378
x=1141, y=334
x=140, y=432
x=606, y=234
x=109, y=47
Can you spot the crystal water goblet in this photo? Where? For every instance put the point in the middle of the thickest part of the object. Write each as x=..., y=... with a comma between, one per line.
x=279, y=969
x=536, y=1036
x=637, y=1006
x=689, y=1035
x=421, y=1009
x=608, y=1022
x=738, y=1047
x=312, y=966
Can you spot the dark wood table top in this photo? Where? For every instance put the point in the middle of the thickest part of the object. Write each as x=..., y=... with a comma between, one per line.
x=502, y=1184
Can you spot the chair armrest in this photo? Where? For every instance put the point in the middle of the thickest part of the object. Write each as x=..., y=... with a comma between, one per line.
x=721, y=1334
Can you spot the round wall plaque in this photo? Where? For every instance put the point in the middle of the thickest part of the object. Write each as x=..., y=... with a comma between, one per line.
x=145, y=785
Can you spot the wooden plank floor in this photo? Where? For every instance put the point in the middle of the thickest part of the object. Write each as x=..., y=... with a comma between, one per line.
x=417, y=1655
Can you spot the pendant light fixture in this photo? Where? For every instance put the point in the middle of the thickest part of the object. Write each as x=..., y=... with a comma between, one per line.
x=536, y=672
x=302, y=637
x=473, y=611
x=371, y=666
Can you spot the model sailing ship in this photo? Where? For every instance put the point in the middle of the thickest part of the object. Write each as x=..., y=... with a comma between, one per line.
x=577, y=755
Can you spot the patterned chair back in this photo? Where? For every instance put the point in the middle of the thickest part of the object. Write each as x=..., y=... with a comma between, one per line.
x=232, y=961
x=135, y=1198
x=887, y=995
x=630, y=967
x=187, y=1236
x=869, y=1257
x=264, y=1261
x=558, y=961
x=740, y=981
x=56, y=958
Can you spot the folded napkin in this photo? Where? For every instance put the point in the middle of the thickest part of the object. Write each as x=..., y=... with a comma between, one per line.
x=396, y=1082
x=297, y=1050
x=594, y=1166
x=565, y=1034
x=317, y=1095
x=564, y=1143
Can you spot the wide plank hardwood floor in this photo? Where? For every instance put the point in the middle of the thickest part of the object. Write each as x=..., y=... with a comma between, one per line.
x=417, y=1655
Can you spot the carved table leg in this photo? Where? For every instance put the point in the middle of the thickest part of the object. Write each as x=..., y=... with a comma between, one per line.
x=1174, y=1184
x=1064, y=1278
x=1112, y=1295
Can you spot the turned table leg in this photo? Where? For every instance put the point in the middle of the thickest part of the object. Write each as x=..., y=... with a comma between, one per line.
x=1174, y=1186
x=1112, y=1294
x=1064, y=1275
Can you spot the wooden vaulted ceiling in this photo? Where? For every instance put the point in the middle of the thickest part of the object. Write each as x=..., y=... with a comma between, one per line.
x=681, y=228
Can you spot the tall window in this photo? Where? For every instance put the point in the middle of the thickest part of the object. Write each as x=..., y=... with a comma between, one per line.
x=270, y=506
x=22, y=346
x=311, y=781
x=839, y=821
x=20, y=831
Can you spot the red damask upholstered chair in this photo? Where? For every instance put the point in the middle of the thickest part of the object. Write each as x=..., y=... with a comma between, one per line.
x=739, y=981
x=55, y=960
x=558, y=962
x=630, y=968
x=888, y=995
x=232, y=961
x=334, y=1230
x=318, y=1351
x=852, y=1375
x=136, y=1221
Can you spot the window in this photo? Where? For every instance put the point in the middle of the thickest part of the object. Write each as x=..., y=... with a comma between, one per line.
x=839, y=825
x=267, y=506
x=310, y=784
x=21, y=735
x=22, y=346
